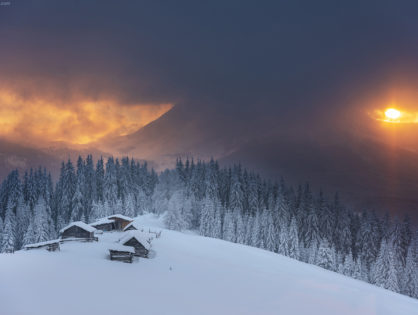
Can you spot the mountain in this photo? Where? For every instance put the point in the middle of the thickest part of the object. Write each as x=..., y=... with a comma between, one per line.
x=188, y=274
x=180, y=132
x=366, y=171
x=23, y=156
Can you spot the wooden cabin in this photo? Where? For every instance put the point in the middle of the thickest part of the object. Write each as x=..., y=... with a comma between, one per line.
x=104, y=224
x=133, y=226
x=121, y=221
x=140, y=241
x=78, y=231
x=50, y=246
x=121, y=253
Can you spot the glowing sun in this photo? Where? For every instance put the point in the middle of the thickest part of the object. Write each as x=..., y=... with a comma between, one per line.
x=392, y=114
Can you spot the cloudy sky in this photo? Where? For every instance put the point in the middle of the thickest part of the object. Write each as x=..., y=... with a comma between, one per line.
x=298, y=58
x=84, y=71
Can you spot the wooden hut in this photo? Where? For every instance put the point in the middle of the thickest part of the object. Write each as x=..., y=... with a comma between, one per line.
x=51, y=246
x=78, y=231
x=104, y=224
x=133, y=226
x=140, y=241
x=121, y=221
x=121, y=253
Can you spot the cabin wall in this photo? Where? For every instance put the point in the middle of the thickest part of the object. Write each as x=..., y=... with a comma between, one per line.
x=77, y=232
x=140, y=249
x=120, y=224
x=105, y=227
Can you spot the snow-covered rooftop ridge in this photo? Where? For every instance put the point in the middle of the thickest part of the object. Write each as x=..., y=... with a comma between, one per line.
x=102, y=221
x=135, y=225
x=40, y=244
x=141, y=237
x=120, y=216
x=81, y=225
x=122, y=248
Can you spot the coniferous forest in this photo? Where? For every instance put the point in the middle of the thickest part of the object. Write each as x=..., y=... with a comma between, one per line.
x=232, y=204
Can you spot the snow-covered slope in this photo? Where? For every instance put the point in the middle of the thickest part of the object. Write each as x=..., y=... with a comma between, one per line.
x=188, y=275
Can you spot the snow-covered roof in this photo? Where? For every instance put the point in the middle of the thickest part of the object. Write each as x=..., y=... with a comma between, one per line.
x=122, y=248
x=40, y=244
x=135, y=225
x=102, y=221
x=120, y=216
x=141, y=237
x=81, y=225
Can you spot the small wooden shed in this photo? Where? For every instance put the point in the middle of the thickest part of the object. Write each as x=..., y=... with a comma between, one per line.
x=51, y=246
x=79, y=231
x=139, y=240
x=121, y=253
x=121, y=221
x=104, y=224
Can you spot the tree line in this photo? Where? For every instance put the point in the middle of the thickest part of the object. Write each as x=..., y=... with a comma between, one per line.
x=229, y=203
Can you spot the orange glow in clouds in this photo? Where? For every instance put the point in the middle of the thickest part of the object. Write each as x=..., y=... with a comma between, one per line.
x=40, y=121
x=397, y=116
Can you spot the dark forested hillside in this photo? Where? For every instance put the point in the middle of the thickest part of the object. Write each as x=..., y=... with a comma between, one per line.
x=228, y=203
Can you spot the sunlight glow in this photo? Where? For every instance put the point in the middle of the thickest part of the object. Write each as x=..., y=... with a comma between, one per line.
x=392, y=114
x=38, y=120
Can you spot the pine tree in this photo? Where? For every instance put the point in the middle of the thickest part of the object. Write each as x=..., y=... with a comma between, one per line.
x=174, y=219
x=9, y=230
x=206, y=217
x=348, y=266
x=100, y=179
x=97, y=211
x=358, y=268
x=326, y=256
x=293, y=240
x=129, y=206
x=410, y=275
x=217, y=224
x=42, y=222
x=77, y=203
x=240, y=229
x=256, y=238
x=228, y=232
x=270, y=235
x=384, y=272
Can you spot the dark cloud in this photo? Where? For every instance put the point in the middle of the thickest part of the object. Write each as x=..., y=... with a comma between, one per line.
x=228, y=54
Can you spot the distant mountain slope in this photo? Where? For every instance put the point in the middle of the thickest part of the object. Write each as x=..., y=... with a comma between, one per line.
x=189, y=274
x=365, y=172
x=23, y=157
x=179, y=132
x=16, y=156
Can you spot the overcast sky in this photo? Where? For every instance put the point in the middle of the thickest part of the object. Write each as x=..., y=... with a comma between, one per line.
x=310, y=61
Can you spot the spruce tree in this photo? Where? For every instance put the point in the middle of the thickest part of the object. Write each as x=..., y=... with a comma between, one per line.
x=410, y=275
x=326, y=256
x=293, y=240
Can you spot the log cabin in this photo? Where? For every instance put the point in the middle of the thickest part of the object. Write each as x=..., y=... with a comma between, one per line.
x=79, y=231
x=121, y=253
x=51, y=246
x=138, y=240
x=104, y=224
x=121, y=221
x=133, y=226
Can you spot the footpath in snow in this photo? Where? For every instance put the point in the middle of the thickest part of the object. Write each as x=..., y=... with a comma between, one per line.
x=189, y=274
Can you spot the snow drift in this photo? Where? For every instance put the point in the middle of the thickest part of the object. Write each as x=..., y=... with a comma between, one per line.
x=188, y=274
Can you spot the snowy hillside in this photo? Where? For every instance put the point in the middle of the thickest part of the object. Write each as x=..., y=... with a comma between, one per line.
x=189, y=274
